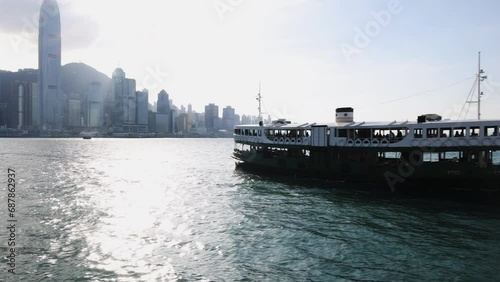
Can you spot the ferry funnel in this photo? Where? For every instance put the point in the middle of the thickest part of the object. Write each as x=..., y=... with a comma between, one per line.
x=344, y=115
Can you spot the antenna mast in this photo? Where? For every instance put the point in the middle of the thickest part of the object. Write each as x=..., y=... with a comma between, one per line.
x=480, y=77
x=259, y=98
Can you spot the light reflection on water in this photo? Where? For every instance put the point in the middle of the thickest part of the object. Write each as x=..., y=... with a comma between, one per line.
x=176, y=210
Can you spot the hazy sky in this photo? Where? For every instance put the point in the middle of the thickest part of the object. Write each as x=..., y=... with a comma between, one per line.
x=310, y=55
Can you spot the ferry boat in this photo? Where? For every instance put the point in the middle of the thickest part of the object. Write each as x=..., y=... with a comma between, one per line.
x=429, y=151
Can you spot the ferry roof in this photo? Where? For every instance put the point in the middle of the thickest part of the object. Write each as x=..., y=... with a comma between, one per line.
x=370, y=124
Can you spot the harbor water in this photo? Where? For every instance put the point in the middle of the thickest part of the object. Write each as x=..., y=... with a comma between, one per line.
x=177, y=210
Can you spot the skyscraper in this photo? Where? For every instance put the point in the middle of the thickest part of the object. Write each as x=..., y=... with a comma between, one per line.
x=164, y=116
x=94, y=106
x=49, y=66
x=228, y=118
x=163, y=102
x=142, y=110
x=125, y=101
x=212, y=117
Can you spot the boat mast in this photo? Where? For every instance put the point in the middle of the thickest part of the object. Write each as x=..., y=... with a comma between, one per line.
x=479, y=79
x=479, y=71
x=259, y=98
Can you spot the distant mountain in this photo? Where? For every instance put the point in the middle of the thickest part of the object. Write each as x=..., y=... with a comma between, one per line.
x=77, y=76
x=75, y=79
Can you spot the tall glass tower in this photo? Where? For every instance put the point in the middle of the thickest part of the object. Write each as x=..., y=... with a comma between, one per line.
x=49, y=66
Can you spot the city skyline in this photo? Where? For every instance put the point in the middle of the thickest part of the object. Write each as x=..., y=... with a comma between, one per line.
x=40, y=106
x=381, y=58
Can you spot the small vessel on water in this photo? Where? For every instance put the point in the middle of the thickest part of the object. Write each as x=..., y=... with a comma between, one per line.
x=87, y=137
x=429, y=151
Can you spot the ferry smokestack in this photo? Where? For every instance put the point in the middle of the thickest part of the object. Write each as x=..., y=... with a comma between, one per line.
x=344, y=115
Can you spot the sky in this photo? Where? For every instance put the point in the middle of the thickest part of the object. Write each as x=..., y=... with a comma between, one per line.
x=388, y=59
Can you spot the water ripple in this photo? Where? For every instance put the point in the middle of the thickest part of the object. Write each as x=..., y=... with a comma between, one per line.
x=176, y=210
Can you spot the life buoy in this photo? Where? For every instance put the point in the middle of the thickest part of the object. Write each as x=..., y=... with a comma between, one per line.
x=287, y=141
x=350, y=142
x=282, y=140
x=448, y=143
x=299, y=140
x=462, y=142
x=366, y=143
x=473, y=142
x=375, y=143
x=292, y=140
x=487, y=142
x=425, y=143
x=276, y=140
x=358, y=142
x=384, y=142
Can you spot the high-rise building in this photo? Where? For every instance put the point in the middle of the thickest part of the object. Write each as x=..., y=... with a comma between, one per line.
x=211, y=117
x=49, y=66
x=74, y=114
x=163, y=104
x=165, y=115
x=142, y=110
x=94, y=106
x=125, y=103
x=228, y=118
x=184, y=123
x=23, y=105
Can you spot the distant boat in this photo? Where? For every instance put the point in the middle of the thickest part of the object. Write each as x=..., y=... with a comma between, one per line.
x=87, y=137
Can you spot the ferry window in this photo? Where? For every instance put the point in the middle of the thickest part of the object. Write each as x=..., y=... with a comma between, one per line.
x=432, y=132
x=363, y=133
x=350, y=133
x=401, y=133
x=459, y=132
x=491, y=131
x=247, y=132
x=474, y=131
x=417, y=133
x=342, y=133
x=450, y=156
x=431, y=157
x=445, y=132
